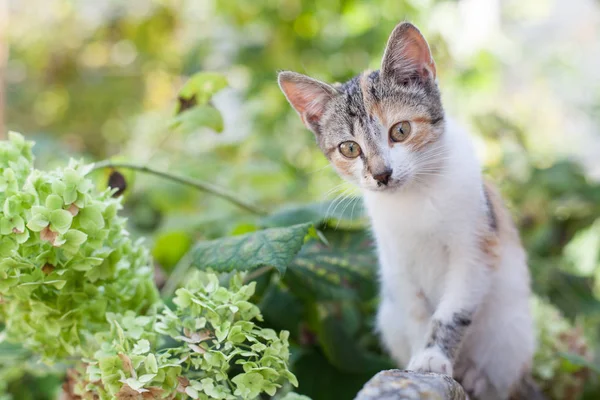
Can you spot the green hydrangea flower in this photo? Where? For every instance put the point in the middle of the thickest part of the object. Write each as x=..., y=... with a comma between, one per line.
x=65, y=256
x=214, y=328
x=74, y=284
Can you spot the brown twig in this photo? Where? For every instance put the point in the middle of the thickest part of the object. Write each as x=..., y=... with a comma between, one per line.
x=195, y=183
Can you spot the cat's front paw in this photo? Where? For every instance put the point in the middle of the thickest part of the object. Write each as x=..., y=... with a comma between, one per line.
x=431, y=360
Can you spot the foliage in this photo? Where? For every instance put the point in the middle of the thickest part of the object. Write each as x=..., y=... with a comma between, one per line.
x=75, y=285
x=114, y=85
x=563, y=377
x=274, y=247
x=214, y=330
x=66, y=256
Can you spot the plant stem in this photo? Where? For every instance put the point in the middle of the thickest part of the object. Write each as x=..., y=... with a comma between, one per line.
x=197, y=184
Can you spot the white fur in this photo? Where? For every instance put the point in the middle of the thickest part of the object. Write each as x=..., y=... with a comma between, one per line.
x=432, y=265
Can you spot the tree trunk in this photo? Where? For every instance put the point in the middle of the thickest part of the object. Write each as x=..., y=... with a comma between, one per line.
x=396, y=384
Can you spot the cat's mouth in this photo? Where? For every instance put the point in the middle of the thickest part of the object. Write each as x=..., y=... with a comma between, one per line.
x=393, y=185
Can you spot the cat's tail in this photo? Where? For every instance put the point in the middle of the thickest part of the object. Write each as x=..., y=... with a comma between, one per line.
x=527, y=389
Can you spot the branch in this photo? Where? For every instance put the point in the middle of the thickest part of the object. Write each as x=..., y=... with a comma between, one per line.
x=197, y=184
x=396, y=384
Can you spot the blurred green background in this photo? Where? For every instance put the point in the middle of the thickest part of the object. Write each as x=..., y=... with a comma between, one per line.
x=99, y=79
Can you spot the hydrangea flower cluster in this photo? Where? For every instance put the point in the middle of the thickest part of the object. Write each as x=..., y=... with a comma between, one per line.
x=558, y=377
x=65, y=256
x=214, y=337
x=73, y=284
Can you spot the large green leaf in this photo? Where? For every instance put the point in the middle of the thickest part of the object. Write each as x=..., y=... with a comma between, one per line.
x=282, y=310
x=343, y=351
x=344, y=267
x=275, y=247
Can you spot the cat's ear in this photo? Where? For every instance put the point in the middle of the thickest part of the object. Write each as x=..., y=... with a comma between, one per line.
x=407, y=55
x=308, y=96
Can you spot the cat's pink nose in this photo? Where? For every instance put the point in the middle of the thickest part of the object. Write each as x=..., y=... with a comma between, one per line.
x=383, y=177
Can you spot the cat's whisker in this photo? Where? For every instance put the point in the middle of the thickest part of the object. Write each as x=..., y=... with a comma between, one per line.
x=339, y=195
x=334, y=190
x=336, y=201
x=436, y=173
x=430, y=168
x=434, y=155
x=434, y=151
x=341, y=214
x=346, y=194
x=357, y=200
x=344, y=209
x=319, y=169
x=435, y=158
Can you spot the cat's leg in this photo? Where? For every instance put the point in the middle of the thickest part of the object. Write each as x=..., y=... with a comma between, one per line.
x=497, y=353
x=402, y=321
x=467, y=283
x=500, y=344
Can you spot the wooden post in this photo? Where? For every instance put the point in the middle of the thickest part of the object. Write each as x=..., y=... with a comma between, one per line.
x=396, y=384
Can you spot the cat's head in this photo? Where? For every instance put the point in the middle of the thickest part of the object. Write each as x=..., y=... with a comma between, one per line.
x=381, y=130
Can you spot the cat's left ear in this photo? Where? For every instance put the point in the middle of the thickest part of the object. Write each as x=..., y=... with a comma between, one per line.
x=308, y=96
x=407, y=55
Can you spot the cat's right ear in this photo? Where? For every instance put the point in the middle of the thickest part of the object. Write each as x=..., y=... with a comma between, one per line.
x=407, y=55
x=308, y=96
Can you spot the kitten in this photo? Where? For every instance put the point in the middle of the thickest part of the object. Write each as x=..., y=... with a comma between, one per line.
x=454, y=279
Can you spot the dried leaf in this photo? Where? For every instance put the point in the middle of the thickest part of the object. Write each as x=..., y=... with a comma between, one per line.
x=127, y=393
x=186, y=103
x=116, y=180
x=127, y=364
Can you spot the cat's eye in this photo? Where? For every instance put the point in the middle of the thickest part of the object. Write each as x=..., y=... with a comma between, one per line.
x=400, y=131
x=350, y=149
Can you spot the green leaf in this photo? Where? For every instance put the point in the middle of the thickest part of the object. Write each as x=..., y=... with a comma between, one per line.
x=275, y=247
x=579, y=361
x=343, y=351
x=322, y=381
x=170, y=247
x=202, y=86
x=281, y=309
x=197, y=117
x=582, y=253
x=343, y=268
x=573, y=294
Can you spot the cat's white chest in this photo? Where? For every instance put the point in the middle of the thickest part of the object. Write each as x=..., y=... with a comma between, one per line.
x=411, y=244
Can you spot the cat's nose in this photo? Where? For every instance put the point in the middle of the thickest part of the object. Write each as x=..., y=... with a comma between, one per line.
x=383, y=177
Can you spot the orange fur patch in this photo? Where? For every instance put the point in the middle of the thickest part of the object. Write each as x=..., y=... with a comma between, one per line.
x=505, y=230
x=490, y=244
